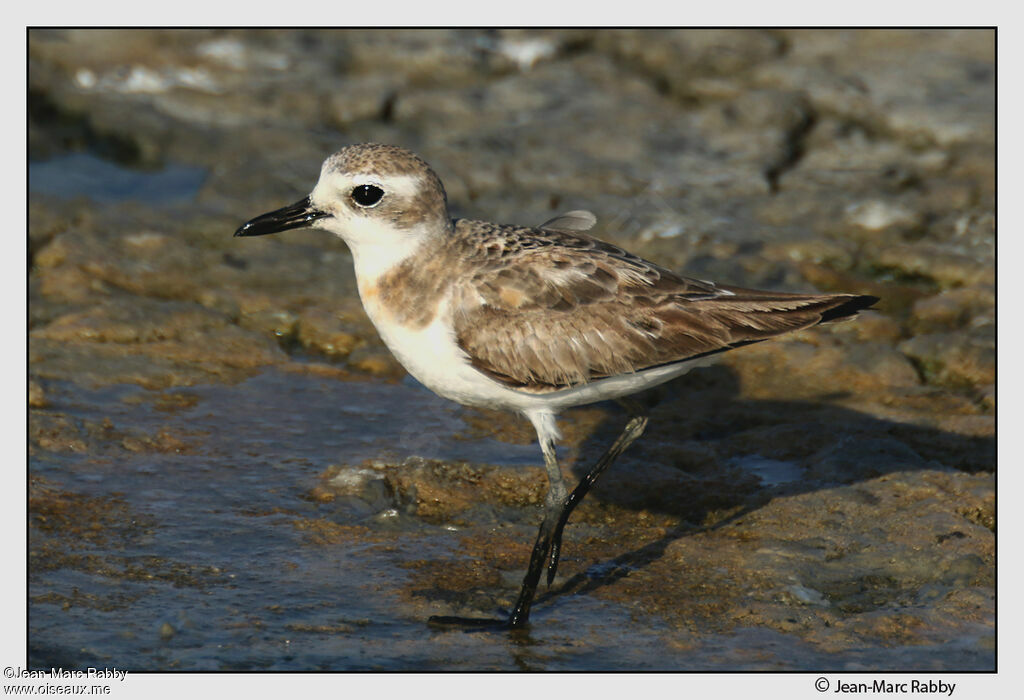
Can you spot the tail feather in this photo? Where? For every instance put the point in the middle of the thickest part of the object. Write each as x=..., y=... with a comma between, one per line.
x=710, y=326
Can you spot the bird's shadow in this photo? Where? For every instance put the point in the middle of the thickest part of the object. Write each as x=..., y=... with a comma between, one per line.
x=701, y=425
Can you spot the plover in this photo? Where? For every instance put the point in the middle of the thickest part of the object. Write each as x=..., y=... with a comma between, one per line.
x=531, y=320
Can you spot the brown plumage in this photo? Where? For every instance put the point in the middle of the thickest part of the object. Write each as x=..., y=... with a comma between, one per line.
x=558, y=309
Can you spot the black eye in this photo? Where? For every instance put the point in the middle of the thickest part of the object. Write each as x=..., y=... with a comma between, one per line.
x=367, y=195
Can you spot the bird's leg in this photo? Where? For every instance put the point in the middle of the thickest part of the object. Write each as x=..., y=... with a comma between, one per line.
x=633, y=430
x=557, y=509
x=553, y=507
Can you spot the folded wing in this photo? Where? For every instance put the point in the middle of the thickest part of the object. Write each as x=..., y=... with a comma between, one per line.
x=575, y=309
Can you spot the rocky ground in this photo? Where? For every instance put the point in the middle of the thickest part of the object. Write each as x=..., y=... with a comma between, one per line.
x=229, y=470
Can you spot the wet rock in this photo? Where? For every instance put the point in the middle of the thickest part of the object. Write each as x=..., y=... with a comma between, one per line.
x=815, y=364
x=367, y=485
x=871, y=326
x=151, y=343
x=363, y=97
x=48, y=221
x=948, y=105
x=954, y=359
x=56, y=433
x=882, y=177
x=376, y=361
x=806, y=596
x=988, y=397
x=80, y=520
x=852, y=459
x=441, y=492
x=162, y=441
x=692, y=456
x=675, y=60
x=954, y=308
x=509, y=427
x=980, y=426
x=735, y=575
x=877, y=215
x=140, y=323
x=77, y=265
x=944, y=265
x=829, y=495
x=324, y=332
x=36, y=395
x=964, y=570
x=279, y=323
x=884, y=363
x=432, y=57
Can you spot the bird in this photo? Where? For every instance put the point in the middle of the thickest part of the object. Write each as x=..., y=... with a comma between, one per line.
x=532, y=320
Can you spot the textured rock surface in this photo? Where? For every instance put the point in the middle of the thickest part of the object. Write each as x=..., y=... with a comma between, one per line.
x=223, y=458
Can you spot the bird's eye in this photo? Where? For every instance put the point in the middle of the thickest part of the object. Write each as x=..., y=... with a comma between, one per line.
x=367, y=195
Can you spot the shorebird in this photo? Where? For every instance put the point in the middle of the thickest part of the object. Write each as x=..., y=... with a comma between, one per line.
x=524, y=319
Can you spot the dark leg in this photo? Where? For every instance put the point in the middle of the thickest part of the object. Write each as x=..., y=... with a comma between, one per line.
x=553, y=504
x=633, y=430
x=557, y=509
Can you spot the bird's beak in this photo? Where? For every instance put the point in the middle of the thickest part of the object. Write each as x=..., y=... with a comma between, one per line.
x=295, y=215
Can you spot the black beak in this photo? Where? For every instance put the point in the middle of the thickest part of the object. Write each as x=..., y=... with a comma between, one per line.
x=295, y=215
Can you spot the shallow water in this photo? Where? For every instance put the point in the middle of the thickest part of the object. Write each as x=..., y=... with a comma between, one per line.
x=86, y=175
x=209, y=558
x=235, y=585
x=238, y=585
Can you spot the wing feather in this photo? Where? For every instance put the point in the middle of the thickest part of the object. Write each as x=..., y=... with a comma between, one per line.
x=564, y=309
